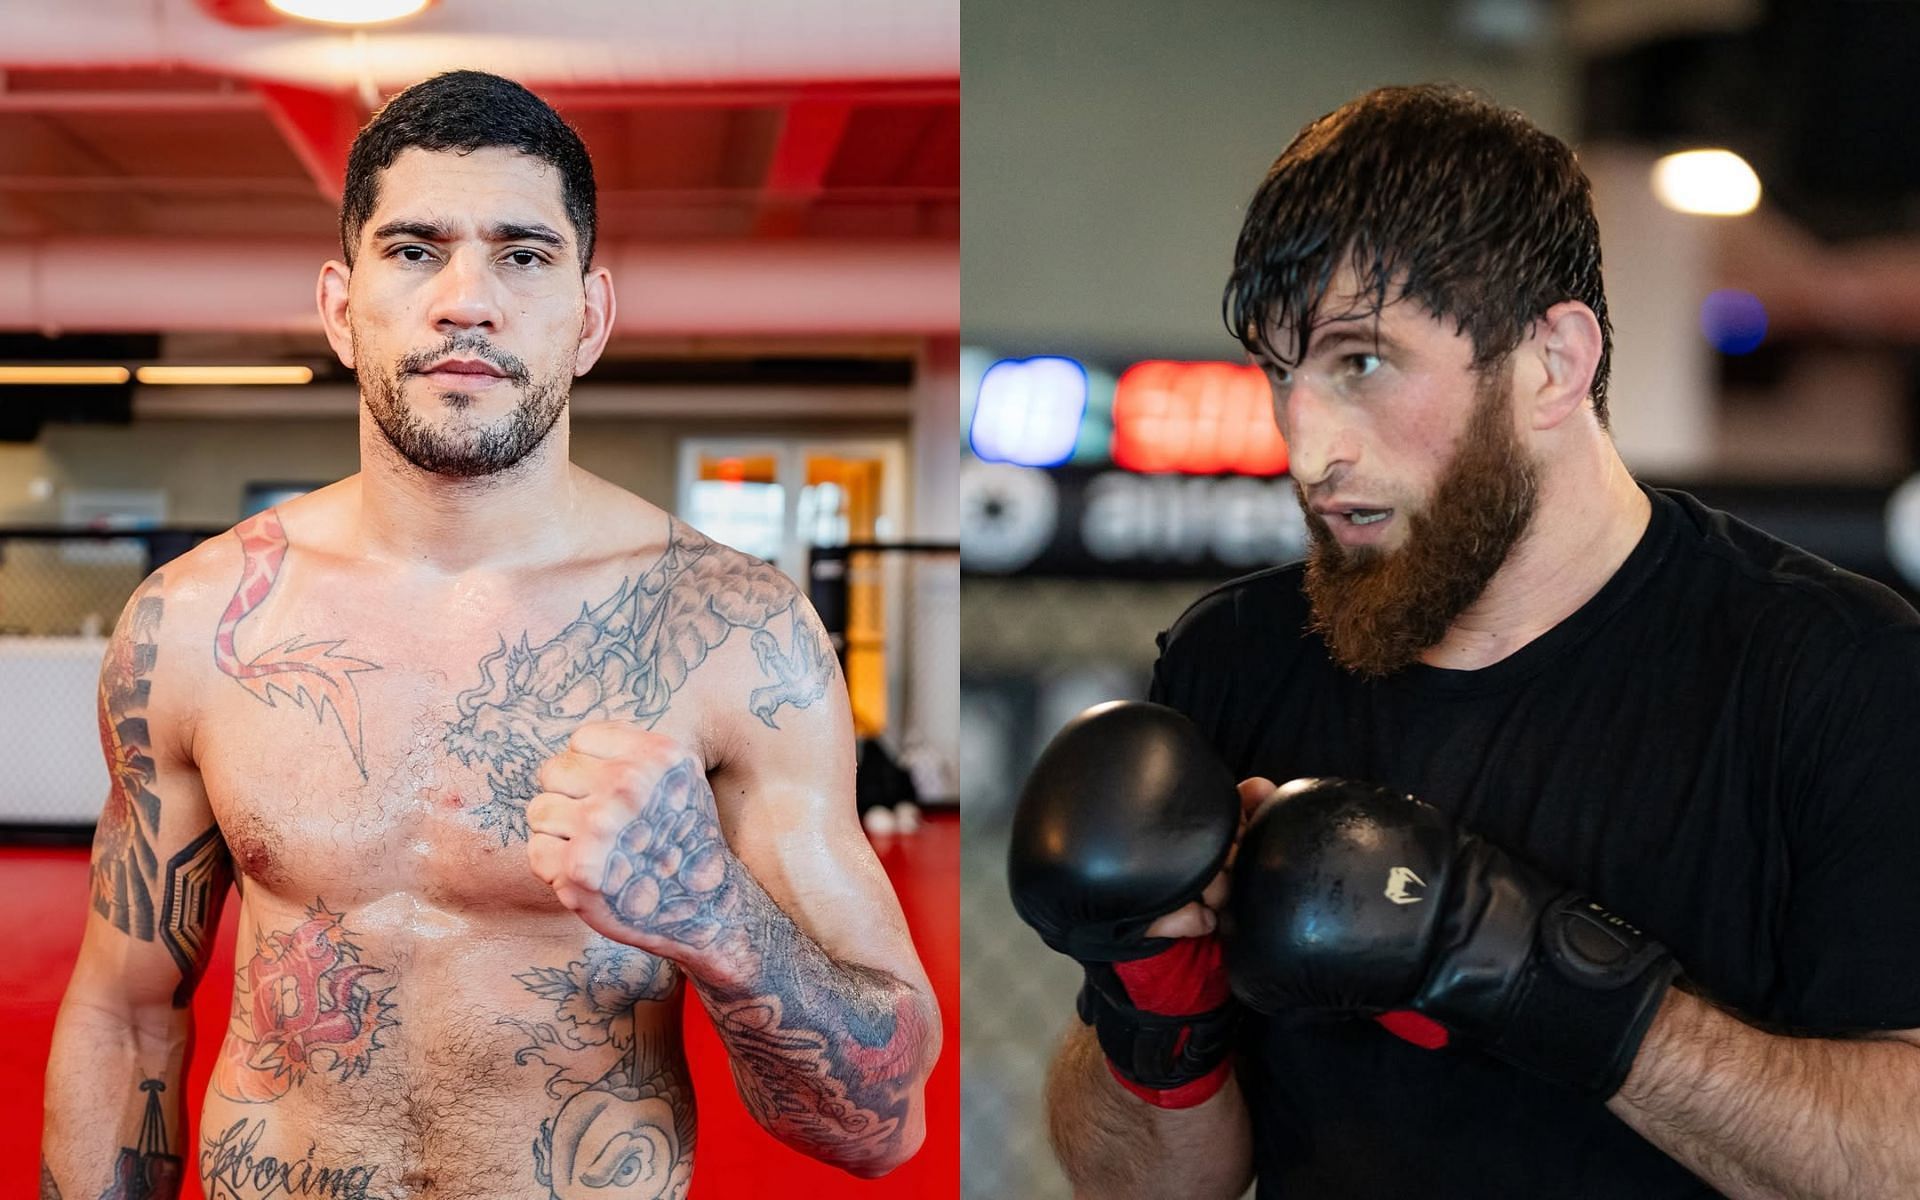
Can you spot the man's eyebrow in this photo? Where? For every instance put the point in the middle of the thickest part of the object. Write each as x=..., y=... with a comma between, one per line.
x=499, y=231
x=1363, y=330
x=511, y=231
x=412, y=227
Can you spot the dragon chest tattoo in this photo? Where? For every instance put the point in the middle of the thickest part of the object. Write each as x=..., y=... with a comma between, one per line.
x=625, y=658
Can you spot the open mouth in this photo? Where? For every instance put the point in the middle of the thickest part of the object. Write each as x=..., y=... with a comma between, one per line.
x=1365, y=516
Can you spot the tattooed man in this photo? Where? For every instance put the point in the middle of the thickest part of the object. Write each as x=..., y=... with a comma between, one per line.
x=501, y=757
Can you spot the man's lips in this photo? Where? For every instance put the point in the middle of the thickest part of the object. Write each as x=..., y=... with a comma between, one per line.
x=464, y=366
x=1356, y=513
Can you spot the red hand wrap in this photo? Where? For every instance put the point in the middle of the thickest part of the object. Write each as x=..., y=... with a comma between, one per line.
x=1187, y=978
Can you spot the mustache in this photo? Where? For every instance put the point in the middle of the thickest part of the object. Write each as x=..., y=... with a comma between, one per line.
x=465, y=347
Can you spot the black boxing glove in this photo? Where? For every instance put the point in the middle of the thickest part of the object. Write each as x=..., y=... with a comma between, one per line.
x=1351, y=898
x=1127, y=816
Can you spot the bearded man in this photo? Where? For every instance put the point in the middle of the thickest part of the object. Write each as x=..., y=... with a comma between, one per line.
x=502, y=758
x=1597, y=884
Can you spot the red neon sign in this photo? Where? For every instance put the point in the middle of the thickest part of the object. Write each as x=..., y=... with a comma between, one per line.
x=1201, y=418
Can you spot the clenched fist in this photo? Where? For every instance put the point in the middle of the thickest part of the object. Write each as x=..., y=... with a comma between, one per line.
x=625, y=832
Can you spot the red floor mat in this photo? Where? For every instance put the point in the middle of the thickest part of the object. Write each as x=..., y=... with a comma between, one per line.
x=47, y=891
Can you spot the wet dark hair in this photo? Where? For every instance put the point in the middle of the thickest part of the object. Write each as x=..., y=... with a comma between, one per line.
x=1467, y=207
x=465, y=111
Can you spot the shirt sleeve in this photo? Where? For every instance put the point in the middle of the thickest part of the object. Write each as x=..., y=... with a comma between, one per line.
x=1852, y=936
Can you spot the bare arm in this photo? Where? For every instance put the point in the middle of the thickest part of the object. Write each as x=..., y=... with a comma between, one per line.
x=116, y=1070
x=827, y=1015
x=760, y=885
x=1114, y=1145
x=1762, y=1116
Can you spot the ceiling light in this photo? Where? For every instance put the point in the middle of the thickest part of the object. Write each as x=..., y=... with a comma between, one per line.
x=1713, y=183
x=95, y=375
x=220, y=376
x=349, y=12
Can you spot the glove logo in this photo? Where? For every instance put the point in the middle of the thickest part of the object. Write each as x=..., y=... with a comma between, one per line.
x=1397, y=881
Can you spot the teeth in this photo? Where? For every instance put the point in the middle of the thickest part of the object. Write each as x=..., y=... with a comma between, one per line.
x=1366, y=516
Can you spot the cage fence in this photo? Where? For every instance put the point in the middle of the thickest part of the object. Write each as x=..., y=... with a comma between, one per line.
x=1037, y=651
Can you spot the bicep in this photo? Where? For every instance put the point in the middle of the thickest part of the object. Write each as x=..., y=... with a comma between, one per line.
x=785, y=794
x=159, y=869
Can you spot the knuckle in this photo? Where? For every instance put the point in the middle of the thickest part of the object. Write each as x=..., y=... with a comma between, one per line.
x=629, y=784
x=579, y=872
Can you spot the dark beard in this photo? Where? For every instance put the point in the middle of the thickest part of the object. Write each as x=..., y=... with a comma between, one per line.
x=467, y=453
x=1378, y=610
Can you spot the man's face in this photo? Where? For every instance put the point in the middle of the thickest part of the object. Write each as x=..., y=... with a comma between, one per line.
x=1410, y=470
x=466, y=308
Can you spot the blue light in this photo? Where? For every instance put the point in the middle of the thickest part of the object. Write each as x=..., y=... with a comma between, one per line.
x=1734, y=321
x=1028, y=411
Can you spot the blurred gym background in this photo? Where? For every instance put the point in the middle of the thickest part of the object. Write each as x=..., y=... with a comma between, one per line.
x=779, y=206
x=1120, y=456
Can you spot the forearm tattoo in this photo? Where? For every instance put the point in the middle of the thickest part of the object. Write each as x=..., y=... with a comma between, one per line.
x=309, y=673
x=826, y=1054
x=302, y=1003
x=128, y=879
x=629, y=1125
x=149, y=1171
x=624, y=659
x=233, y=1169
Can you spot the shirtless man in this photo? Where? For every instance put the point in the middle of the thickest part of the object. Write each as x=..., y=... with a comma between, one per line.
x=377, y=706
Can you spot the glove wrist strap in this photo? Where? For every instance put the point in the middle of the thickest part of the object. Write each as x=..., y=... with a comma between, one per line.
x=1170, y=1061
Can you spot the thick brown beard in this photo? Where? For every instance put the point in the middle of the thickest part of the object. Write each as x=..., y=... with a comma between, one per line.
x=1378, y=610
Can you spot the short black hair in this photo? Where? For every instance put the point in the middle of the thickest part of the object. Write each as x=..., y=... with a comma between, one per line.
x=464, y=111
x=1430, y=192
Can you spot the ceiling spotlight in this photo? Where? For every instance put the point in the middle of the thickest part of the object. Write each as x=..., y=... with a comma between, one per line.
x=349, y=12
x=1712, y=183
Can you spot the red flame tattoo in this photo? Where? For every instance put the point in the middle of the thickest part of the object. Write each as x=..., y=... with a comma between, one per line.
x=308, y=673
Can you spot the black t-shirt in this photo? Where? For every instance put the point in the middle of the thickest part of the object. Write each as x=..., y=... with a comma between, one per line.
x=1722, y=745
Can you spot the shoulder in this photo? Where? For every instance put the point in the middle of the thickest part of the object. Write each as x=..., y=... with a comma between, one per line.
x=179, y=604
x=1263, y=609
x=774, y=669
x=160, y=654
x=741, y=589
x=1791, y=593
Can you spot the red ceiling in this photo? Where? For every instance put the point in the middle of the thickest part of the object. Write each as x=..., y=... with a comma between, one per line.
x=183, y=153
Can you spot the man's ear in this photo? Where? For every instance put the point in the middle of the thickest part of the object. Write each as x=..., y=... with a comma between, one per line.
x=1566, y=344
x=332, y=297
x=597, y=326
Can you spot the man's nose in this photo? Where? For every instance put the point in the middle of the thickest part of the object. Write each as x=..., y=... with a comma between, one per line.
x=1316, y=431
x=466, y=293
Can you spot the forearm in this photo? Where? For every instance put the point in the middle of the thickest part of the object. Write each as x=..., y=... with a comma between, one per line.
x=109, y=1068
x=1761, y=1116
x=829, y=1057
x=1113, y=1144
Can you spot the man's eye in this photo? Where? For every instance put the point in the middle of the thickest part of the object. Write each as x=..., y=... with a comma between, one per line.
x=413, y=254
x=1362, y=365
x=1280, y=376
x=523, y=258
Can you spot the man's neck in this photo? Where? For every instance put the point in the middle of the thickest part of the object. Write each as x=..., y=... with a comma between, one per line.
x=449, y=525
x=1590, y=516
